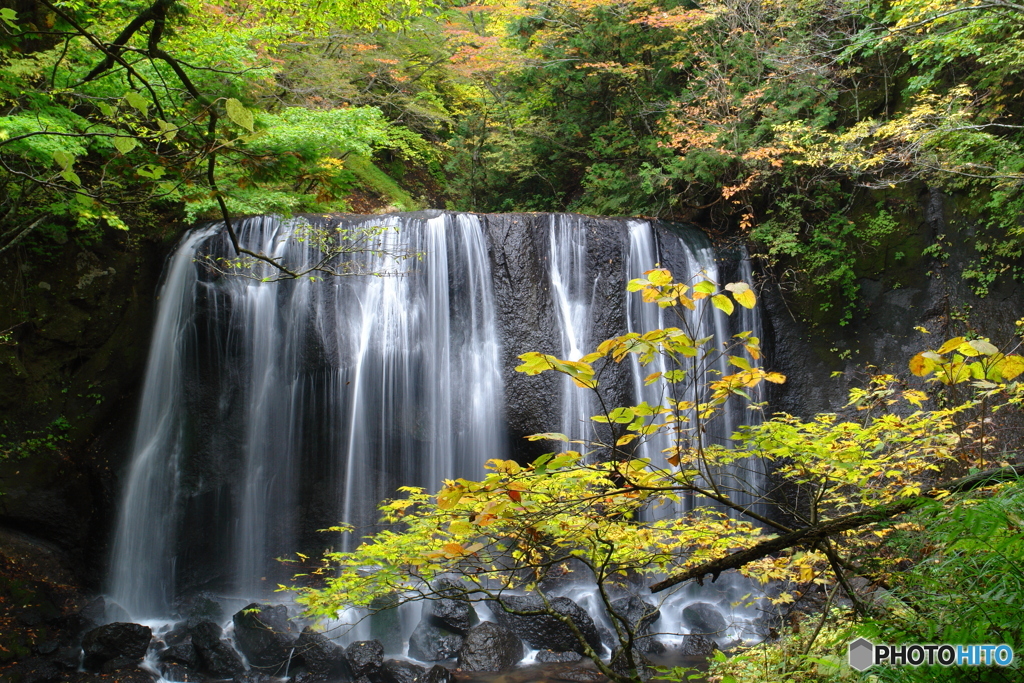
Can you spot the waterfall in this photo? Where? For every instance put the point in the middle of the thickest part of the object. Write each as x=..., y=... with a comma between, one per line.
x=273, y=408
x=693, y=259
x=571, y=292
x=142, y=570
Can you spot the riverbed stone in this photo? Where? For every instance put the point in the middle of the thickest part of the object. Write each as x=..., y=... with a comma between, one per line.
x=704, y=618
x=697, y=645
x=216, y=656
x=544, y=630
x=438, y=674
x=264, y=635
x=365, y=657
x=430, y=643
x=120, y=642
x=321, y=654
x=549, y=656
x=452, y=611
x=401, y=671
x=490, y=647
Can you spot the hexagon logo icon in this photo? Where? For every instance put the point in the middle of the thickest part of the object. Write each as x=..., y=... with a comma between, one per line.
x=861, y=654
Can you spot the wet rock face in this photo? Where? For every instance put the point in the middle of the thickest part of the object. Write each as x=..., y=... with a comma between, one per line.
x=704, y=618
x=365, y=657
x=430, y=643
x=549, y=656
x=696, y=645
x=490, y=647
x=216, y=656
x=321, y=655
x=398, y=671
x=438, y=674
x=639, y=615
x=264, y=635
x=621, y=664
x=544, y=631
x=115, y=644
x=450, y=612
x=527, y=319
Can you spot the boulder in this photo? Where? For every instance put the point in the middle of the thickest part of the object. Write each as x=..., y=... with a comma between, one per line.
x=253, y=677
x=365, y=657
x=309, y=677
x=184, y=653
x=580, y=675
x=321, y=655
x=490, y=647
x=429, y=643
x=121, y=642
x=639, y=616
x=452, y=611
x=216, y=656
x=544, y=630
x=548, y=656
x=697, y=645
x=620, y=664
x=705, y=619
x=264, y=635
x=400, y=671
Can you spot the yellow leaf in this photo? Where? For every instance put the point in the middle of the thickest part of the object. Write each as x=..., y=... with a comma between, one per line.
x=453, y=549
x=659, y=277
x=920, y=365
x=951, y=344
x=743, y=294
x=722, y=303
x=1011, y=366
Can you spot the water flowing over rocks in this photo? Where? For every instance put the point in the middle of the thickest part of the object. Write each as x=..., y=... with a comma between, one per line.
x=216, y=655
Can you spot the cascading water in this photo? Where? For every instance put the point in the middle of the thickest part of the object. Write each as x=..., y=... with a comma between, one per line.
x=571, y=292
x=273, y=409
x=300, y=391
x=742, y=480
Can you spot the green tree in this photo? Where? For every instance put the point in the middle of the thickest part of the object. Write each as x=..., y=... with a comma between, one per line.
x=585, y=506
x=113, y=110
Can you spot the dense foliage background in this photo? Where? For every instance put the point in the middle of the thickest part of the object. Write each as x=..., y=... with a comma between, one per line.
x=809, y=131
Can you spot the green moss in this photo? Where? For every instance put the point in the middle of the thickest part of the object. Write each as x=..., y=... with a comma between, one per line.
x=376, y=180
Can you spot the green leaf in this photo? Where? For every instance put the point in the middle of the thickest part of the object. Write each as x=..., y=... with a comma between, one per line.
x=239, y=114
x=71, y=177
x=136, y=100
x=8, y=16
x=125, y=144
x=63, y=159
x=705, y=287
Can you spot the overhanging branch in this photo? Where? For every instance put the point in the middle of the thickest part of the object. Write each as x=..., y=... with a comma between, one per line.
x=815, y=534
